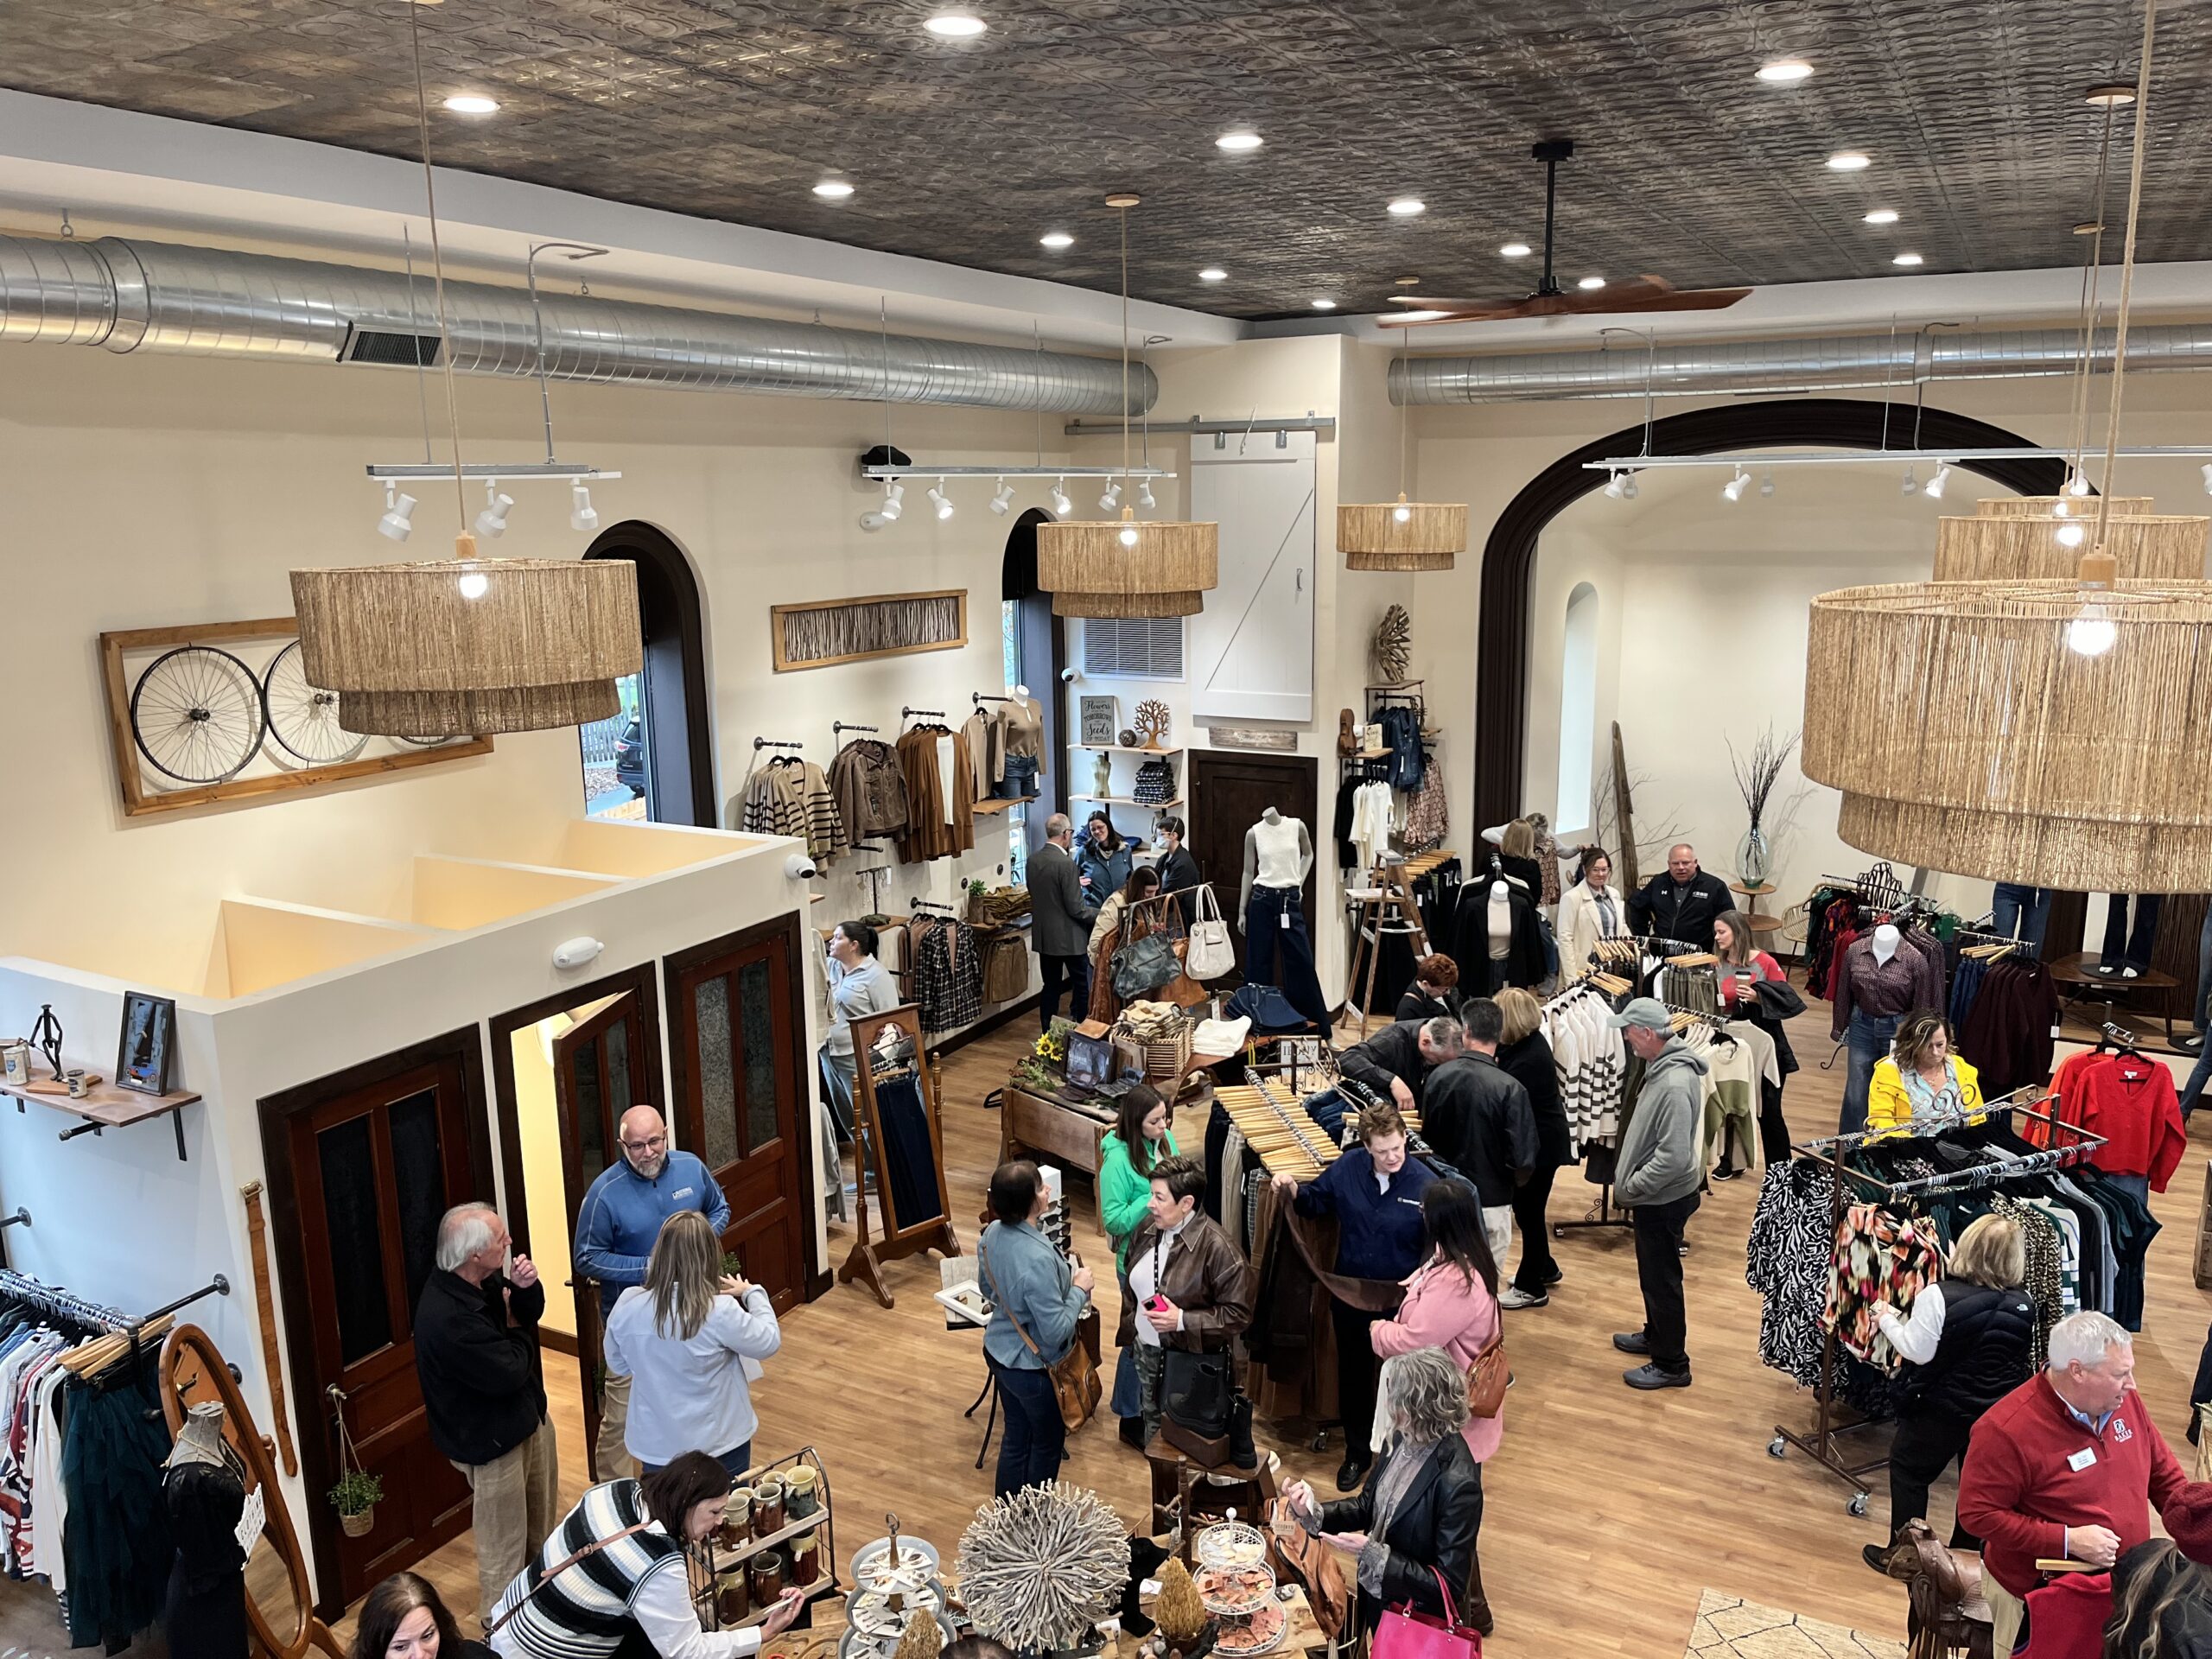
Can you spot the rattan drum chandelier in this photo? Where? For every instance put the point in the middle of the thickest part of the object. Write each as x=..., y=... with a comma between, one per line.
x=1152, y=568
x=1995, y=546
x=1401, y=535
x=467, y=645
x=2051, y=732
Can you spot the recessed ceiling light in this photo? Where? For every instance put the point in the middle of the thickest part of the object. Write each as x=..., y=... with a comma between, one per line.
x=1514, y=251
x=1407, y=206
x=1849, y=161
x=956, y=26
x=1406, y=282
x=472, y=104
x=1905, y=259
x=1883, y=216
x=1237, y=141
x=1591, y=282
x=832, y=189
x=2112, y=97
x=1785, y=72
x=1055, y=239
x=1213, y=274
x=1325, y=305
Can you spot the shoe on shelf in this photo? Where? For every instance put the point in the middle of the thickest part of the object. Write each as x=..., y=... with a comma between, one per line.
x=1725, y=1174
x=1132, y=1432
x=1513, y=1296
x=1649, y=1377
x=1631, y=1342
x=2129, y=970
x=1354, y=1471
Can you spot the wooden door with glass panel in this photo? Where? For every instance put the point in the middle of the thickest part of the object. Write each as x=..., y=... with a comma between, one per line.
x=742, y=1096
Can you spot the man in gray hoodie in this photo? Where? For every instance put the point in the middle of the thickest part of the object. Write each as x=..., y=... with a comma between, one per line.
x=1657, y=1177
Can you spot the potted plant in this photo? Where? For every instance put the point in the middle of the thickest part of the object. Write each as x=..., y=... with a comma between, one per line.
x=355, y=1497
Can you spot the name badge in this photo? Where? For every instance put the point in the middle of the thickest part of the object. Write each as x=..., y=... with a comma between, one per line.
x=681, y=1193
x=2083, y=1459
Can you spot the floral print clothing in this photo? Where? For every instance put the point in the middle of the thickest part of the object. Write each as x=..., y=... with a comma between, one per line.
x=1880, y=1258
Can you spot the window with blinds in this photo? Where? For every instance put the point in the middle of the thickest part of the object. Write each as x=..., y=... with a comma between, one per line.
x=1132, y=648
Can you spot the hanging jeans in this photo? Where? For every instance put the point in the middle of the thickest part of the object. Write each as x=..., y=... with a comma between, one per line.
x=2120, y=945
x=1278, y=952
x=1866, y=1042
x=2021, y=913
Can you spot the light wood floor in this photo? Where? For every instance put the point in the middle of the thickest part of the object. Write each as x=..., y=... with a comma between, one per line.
x=1608, y=1510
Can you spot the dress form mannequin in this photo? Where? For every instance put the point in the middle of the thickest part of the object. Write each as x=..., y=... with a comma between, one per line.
x=1886, y=942
x=1500, y=921
x=203, y=1487
x=1276, y=873
x=1278, y=857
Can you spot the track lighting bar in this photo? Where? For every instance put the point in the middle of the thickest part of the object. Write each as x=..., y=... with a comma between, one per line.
x=1737, y=461
x=1323, y=425
x=917, y=471
x=503, y=469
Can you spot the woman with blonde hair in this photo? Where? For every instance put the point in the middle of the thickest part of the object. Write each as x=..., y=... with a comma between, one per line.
x=1517, y=859
x=1525, y=1055
x=1922, y=1082
x=685, y=1336
x=1970, y=1342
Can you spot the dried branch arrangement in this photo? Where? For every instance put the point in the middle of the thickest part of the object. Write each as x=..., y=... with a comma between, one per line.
x=1041, y=1566
x=1757, y=772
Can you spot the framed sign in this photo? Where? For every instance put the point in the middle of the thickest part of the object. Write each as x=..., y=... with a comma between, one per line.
x=1101, y=716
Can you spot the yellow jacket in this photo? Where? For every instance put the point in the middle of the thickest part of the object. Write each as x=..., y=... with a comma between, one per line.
x=1890, y=1107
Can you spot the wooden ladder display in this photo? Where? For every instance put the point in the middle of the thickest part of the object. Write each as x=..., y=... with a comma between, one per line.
x=1392, y=897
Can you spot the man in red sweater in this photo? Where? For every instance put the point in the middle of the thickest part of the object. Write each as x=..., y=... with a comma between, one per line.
x=2065, y=1465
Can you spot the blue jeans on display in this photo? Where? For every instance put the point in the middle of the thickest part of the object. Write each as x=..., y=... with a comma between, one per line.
x=2120, y=945
x=2193, y=1089
x=736, y=1461
x=1278, y=952
x=2023, y=912
x=1867, y=1042
x=1035, y=1439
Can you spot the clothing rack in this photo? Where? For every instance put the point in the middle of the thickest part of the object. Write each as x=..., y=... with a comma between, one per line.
x=932, y=713
x=1601, y=1215
x=979, y=698
x=760, y=743
x=1654, y=946
x=1819, y=1443
x=838, y=727
x=931, y=904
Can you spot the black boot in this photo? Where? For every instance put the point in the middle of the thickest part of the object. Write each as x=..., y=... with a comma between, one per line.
x=1241, y=1452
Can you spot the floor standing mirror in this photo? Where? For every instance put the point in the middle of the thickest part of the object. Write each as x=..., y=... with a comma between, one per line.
x=902, y=1147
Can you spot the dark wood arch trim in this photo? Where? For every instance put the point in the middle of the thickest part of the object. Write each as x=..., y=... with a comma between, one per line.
x=1509, y=555
x=676, y=662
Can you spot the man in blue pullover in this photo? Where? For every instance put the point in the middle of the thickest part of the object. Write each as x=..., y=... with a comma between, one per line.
x=622, y=1217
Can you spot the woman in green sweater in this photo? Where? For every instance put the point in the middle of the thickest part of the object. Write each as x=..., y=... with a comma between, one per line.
x=1126, y=1156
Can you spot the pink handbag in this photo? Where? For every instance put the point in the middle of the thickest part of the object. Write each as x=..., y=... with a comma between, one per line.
x=1404, y=1634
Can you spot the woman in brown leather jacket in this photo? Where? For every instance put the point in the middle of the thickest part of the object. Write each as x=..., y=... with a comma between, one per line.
x=1189, y=1288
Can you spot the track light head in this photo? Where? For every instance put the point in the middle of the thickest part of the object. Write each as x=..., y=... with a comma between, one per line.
x=2207, y=477
x=398, y=522
x=1933, y=487
x=1910, y=483
x=1735, y=488
x=941, y=501
x=1003, y=503
x=1767, y=482
x=873, y=522
x=1628, y=493
x=1061, y=506
x=1616, y=485
x=1112, y=498
x=493, y=521
x=581, y=514
x=1144, y=494
x=894, y=502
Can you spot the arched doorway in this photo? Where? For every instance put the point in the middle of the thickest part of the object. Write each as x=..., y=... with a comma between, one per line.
x=1509, y=555
x=659, y=752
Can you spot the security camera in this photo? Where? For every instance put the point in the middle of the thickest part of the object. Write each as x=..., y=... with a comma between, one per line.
x=799, y=868
x=1070, y=676
x=577, y=952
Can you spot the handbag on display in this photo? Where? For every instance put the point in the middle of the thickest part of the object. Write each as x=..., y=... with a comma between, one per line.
x=1075, y=1388
x=1487, y=1377
x=1140, y=966
x=1405, y=1634
x=1211, y=954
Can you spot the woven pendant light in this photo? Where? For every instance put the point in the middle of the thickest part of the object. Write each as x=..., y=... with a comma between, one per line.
x=467, y=647
x=1401, y=535
x=2150, y=546
x=2058, y=506
x=1153, y=568
x=470, y=645
x=2047, y=732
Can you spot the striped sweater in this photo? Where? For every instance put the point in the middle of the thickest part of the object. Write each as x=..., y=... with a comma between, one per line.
x=587, y=1612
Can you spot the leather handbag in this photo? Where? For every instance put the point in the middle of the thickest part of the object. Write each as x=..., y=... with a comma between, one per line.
x=1404, y=1634
x=1210, y=954
x=1140, y=966
x=540, y=1580
x=1075, y=1388
x=1487, y=1377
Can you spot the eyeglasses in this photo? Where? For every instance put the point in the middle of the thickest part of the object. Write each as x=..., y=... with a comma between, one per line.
x=653, y=1144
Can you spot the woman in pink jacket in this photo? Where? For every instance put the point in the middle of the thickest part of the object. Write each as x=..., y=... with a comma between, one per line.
x=1452, y=1303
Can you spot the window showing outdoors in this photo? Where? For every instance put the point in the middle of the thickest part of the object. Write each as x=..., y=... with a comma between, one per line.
x=615, y=758
x=1017, y=818
x=1578, y=709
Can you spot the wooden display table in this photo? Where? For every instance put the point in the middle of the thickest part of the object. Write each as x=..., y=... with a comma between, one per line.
x=1760, y=923
x=2078, y=982
x=1054, y=1130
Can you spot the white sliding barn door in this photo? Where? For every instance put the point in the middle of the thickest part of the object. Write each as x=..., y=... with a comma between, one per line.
x=1251, y=650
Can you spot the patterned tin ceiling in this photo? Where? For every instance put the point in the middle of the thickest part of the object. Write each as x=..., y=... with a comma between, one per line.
x=968, y=151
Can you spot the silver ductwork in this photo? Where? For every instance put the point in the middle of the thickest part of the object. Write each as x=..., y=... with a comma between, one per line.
x=1845, y=363
x=130, y=295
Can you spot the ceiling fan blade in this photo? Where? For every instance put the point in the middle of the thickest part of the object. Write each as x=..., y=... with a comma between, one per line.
x=1649, y=294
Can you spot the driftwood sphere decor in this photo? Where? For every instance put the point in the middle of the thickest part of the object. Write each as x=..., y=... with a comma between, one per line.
x=1151, y=722
x=1393, y=646
x=1040, y=1567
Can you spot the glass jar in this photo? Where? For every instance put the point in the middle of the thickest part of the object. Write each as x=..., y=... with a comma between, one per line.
x=767, y=1508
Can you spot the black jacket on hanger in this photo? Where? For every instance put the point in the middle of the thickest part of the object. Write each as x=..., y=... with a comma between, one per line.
x=1659, y=908
x=1526, y=961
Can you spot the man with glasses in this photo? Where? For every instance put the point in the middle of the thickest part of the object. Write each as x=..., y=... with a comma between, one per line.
x=622, y=1217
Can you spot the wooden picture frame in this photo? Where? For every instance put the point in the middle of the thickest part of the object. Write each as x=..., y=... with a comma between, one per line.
x=887, y=1050
x=146, y=1045
x=872, y=616
x=142, y=796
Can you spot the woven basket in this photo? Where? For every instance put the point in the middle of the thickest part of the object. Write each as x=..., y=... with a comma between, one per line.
x=1164, y=1060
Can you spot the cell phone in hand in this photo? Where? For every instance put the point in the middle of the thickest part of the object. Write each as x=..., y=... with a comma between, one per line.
x=1157, y=1304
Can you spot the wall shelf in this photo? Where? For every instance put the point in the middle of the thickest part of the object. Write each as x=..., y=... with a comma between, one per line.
x=1123, y=748
x=107, y=1107
x=1129, y=800
x=992, y=805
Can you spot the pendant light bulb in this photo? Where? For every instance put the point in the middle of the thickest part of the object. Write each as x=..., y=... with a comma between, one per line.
x=1735, y=488
x=1402, y=513
x=1061, y=506
x=493, y=521
x=1003, y=503
x=1933, y=487
x=1112, y=498
x=940, y=500
x=1616, y=485
x=2080, y=485
x=2072, y=535
x=1128, y=534
x=895, y=501
x=2092, y=633
x=473, y=584
x=398, y=517
x=581, y=514
x=1144, y=494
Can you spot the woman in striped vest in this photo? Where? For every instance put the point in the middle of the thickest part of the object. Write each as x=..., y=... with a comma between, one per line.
x=611, y=1578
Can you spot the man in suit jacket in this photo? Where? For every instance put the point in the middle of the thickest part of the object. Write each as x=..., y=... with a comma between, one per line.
x=1059, y=922
x=1680, y=903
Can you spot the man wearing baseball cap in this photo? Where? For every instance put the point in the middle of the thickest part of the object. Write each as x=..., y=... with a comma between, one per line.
x=1657, y=1177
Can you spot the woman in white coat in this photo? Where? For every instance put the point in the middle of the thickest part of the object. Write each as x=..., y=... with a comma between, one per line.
x=1591, y=910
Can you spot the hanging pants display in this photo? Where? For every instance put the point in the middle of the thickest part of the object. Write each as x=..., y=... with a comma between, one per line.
x=2119, y=947
x=2022, y=911
x=1278, y=952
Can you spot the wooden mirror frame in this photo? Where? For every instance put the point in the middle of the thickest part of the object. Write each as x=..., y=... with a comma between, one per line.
x=866, y=1262
x=189, y=1344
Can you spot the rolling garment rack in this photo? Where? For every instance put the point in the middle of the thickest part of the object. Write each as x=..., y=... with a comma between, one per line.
x=1819, y=1443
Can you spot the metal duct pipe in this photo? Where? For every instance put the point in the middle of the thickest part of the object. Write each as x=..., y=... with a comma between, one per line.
x=1863, y=360
x=128, y=295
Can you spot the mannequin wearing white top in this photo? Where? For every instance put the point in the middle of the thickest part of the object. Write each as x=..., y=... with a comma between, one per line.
x=1501, y=921
x=1278, y=853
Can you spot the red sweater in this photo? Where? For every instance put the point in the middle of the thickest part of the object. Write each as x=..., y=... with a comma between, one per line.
x=2130, y=1102
x=2019, y=1491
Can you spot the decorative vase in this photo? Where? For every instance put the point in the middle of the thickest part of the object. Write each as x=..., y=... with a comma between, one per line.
x=359, y=1524
x=1754, y=858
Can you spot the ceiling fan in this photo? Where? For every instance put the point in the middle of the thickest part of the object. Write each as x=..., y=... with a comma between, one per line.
x=1550, y=300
